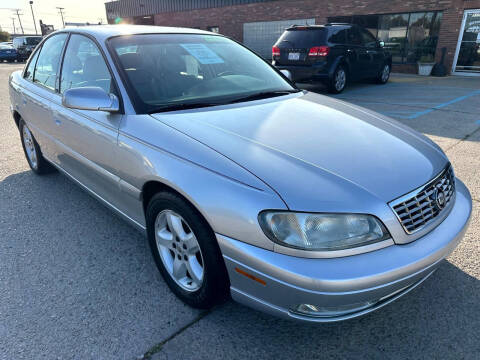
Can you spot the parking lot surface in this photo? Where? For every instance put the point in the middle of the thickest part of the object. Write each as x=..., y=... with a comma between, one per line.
x=76, y=282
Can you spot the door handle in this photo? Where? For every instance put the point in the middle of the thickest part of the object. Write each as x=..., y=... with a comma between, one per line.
x=57, y=121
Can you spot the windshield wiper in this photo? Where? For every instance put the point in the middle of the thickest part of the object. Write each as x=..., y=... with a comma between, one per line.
x=263, y=95
x=182, y=106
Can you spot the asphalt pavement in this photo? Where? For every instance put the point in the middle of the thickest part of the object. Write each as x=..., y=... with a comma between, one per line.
x=76, y=282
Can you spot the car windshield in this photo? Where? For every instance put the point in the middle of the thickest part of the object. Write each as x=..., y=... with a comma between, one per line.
x=6, y=47
x=173, y=70
x=32, y=40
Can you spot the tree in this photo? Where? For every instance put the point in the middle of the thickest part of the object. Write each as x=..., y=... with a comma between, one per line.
x=4, y=36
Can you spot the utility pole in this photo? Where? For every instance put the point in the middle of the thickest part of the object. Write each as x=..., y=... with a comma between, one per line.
x=60, y=9
x=33, y=16
x=13, y=24
x=19, y=20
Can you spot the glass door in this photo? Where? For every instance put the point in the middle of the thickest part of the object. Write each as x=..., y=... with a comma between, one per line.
x=467, y=59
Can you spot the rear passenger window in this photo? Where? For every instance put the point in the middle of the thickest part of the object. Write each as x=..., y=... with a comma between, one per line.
x=338, y=36
x=31, y=67
x=48, y=63
x=83, y=65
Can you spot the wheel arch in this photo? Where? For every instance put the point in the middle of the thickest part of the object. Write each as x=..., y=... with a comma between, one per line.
x=17, y=117
x=341, y=60
x=152, y=187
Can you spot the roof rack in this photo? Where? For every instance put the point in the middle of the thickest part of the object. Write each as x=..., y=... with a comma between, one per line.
x=337, y=23
x=303, y=26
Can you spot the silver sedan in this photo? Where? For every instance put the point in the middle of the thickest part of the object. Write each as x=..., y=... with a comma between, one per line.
x=294, y=203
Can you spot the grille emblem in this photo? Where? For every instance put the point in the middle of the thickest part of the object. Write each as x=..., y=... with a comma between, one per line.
x=439, y=197
x=421, y=207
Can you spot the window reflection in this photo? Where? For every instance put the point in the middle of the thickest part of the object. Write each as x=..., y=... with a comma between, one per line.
x=409, y=37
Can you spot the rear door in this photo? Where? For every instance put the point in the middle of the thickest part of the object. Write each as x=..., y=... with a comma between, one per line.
x=295, y=43
x=38, y=91
x=355, y=53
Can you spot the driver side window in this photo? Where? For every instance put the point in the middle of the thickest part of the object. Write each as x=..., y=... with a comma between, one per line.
x=83, y=65
x=368, y=39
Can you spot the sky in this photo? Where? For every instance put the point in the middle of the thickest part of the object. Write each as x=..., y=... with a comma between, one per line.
x=75, y=11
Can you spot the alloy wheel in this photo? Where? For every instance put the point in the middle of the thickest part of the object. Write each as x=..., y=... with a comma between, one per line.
x=179, y=250
x=29, y=144
x=340, y=79
x=385, y=73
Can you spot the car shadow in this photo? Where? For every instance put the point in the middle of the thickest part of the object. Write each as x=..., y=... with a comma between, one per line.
x=437, y=320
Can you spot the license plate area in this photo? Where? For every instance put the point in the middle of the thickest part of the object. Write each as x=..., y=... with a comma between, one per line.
x=294, y=56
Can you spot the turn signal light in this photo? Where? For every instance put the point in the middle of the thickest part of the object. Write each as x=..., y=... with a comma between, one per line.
x=319, y=51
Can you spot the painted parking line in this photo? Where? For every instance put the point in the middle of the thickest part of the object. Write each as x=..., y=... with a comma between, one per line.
x=442, y=105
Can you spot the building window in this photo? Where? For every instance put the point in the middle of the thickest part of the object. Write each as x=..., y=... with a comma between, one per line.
x=409, y=36
x=392, y=29
x=214, y=29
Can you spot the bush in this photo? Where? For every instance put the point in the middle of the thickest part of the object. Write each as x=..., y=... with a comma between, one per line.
x=4, y=36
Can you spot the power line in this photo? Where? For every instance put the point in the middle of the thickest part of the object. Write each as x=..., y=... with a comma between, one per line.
x=19, y=20
x=60, y=9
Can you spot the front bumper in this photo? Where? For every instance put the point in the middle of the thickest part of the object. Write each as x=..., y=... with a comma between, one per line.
x=277, y=283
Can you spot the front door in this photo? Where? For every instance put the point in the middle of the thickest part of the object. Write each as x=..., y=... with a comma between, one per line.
x=87, y=140
x=467, y=57
x=374, y=58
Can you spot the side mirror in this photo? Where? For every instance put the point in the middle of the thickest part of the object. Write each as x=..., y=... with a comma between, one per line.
x=90, y=98
x=381, y=44
x=287, y=74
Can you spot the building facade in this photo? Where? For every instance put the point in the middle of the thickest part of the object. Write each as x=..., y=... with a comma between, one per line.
x=413, y=30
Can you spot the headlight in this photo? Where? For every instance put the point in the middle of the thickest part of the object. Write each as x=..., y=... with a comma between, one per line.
x=322, y=232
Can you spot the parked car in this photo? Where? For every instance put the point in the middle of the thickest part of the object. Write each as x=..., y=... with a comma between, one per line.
x=24, y=45
x=7, y=53
x=294, y=203
x=333, y=54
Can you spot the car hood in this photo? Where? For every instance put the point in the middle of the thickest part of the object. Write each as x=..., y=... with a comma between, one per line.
x=317, y=153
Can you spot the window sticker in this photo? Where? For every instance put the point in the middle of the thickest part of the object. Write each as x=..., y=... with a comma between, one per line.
x=202, y=53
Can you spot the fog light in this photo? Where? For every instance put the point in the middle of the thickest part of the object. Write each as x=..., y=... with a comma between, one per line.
x=331, y=311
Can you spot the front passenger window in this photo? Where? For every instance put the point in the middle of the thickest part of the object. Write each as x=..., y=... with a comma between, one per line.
x=48, y=63
x=83, y=65
x=368, y=39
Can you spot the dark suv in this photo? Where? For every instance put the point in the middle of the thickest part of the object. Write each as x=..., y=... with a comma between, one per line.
x=331, y=53
x=25, y=46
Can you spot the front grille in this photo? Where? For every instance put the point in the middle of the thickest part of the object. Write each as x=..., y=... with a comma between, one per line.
x=420, y=207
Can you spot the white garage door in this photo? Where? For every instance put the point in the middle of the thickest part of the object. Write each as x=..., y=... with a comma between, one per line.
x=260, y=36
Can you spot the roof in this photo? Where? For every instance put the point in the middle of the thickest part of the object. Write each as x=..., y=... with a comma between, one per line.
x=102, y=32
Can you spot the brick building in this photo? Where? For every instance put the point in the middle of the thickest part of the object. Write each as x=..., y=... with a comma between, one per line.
x=411, y=29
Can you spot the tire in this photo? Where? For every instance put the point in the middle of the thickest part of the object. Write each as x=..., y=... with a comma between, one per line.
x=384, y=74
x=171, y=248
x=339, y=80
x=32, y=151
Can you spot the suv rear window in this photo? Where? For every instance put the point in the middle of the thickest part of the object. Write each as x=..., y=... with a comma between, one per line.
x=303, y=38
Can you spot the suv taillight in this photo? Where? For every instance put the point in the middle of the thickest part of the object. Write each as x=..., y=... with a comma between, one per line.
x=275, y=52
x=319, y=51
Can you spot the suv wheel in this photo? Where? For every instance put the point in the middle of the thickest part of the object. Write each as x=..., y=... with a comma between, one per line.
x=339, y=80
x=384, y=74
x=186, y=251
